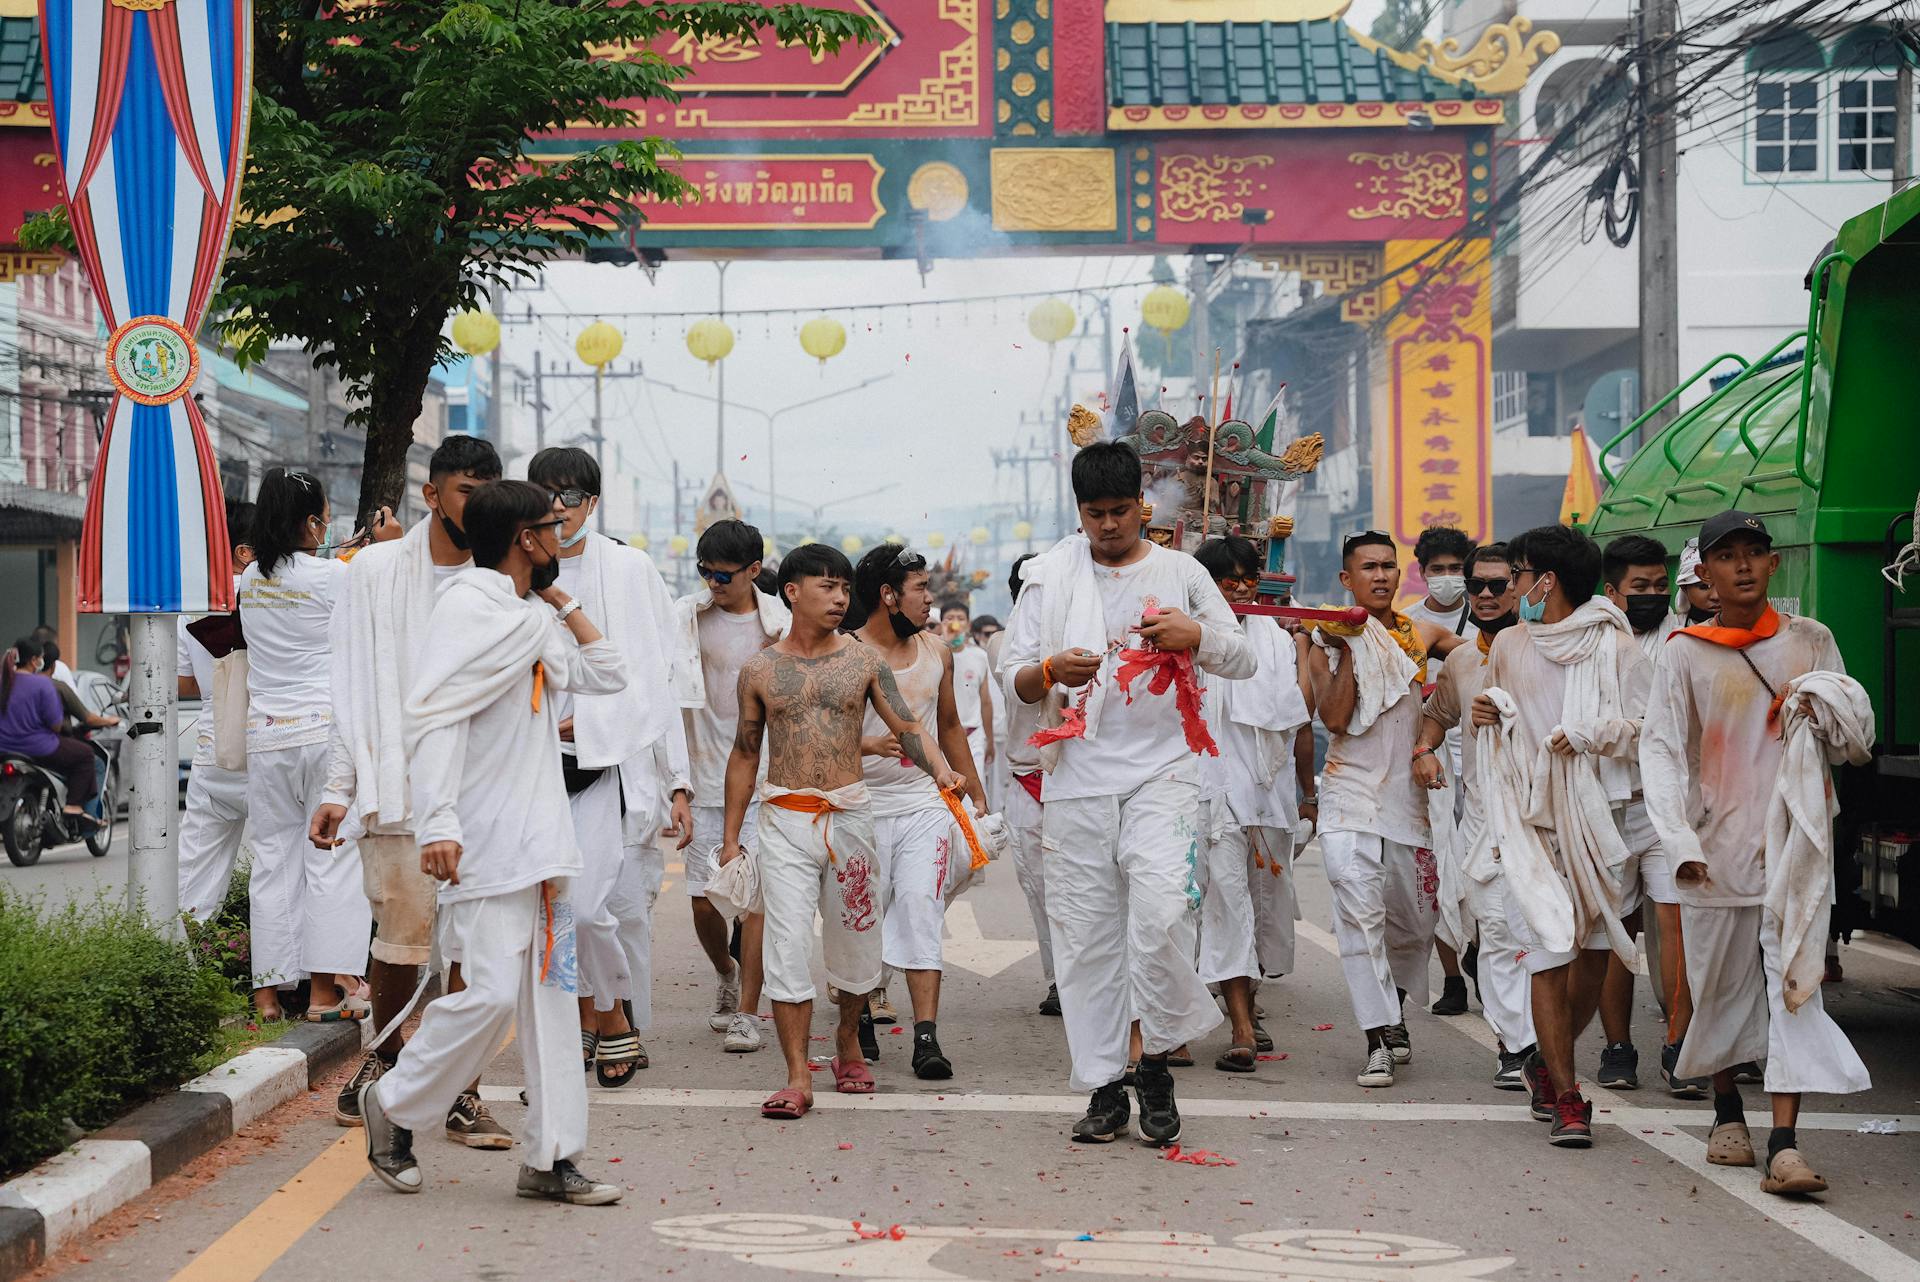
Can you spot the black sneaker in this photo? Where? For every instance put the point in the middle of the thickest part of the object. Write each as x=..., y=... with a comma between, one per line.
x=1159, y=1117
x=1510, y=1076
x=1540, y=1086
x=1749, y=1073
x=1106, y=1119
x=1050, y=1004
x=1679, y=1087
x=346, y=1108
x=1619, y=1067
x=564, y=1183
x=389, y=1147
x=930, y=1064
x=1453, y=997
x=1396, y=1038
x=1572, y=1122
x=869, y=1044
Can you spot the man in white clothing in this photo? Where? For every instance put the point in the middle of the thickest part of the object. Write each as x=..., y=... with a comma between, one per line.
x=491, y=816
x=914, y=830
x=1575, y=683
x=971, y=680
x=1104, y=609
x=1374, y=835
x=214, y=820
x=1247, y=793
x=377, y=637
x=624, y=758
x=1022, y=800
x=1504, y=989
x=1711, y=755
x=1441, y=553
x=719, y=628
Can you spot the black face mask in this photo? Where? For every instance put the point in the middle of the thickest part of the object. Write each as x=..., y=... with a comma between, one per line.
x=455, y=535
x=1696, y=615
x=1493, y=627
x=903, y=627
x=1645, y=610
x=544, y=576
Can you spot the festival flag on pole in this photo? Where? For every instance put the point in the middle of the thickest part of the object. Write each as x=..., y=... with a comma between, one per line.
x=149, y=101
x=1581, y=498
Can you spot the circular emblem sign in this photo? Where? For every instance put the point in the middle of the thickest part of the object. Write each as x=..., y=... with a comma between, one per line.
x=152, y=360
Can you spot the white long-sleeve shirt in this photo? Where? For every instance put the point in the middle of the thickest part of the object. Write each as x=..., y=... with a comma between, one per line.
x=492, y=781
x=1709, y=760
x=1139, y=741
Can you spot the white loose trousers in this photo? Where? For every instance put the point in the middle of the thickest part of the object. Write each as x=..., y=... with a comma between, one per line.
x=1385, y=907
x=606, y=973
x=308, y=908
x=1735, y=970
x=1276, y=900
x=1226, y=899
x=211, y=829
x=497, y=942
x=1029, y=869
x=1123, y=901
x=1506, y=990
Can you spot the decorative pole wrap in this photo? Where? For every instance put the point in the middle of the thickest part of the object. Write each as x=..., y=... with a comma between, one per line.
x=150, y=101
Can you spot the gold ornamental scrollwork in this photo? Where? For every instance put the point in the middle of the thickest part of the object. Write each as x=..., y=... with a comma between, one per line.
x=1054, y=189
x=1499, y=60
x=1410, y=184
x=1197, y=188
x=141, y=6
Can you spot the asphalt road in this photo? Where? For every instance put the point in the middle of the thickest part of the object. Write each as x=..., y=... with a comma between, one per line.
x=1441, y=1177
x=67, y=873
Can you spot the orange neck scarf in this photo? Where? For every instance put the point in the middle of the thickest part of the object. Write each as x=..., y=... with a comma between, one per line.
x=1736, y=638
x=1407, y=637
x=1485, y=644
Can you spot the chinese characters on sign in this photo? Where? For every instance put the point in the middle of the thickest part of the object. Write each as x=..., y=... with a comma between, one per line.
x=1437, y=468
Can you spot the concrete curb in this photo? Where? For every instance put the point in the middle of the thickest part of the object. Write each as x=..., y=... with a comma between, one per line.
x=45, y=1208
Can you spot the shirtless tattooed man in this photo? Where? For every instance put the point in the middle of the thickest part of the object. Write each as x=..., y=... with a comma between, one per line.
x=816, y=841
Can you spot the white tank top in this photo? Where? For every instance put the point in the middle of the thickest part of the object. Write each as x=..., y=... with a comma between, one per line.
x=898, y=786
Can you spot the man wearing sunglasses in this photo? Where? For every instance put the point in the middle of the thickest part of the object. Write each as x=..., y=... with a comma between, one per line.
x=1505, y=996
x=625, y=755
x=720, y=627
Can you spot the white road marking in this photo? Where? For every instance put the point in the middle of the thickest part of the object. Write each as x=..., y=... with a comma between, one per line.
x=1893, y=950
x=968, y=949
x=1809, y=1221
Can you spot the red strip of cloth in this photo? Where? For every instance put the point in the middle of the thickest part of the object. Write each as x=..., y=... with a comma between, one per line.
x=1170, y=668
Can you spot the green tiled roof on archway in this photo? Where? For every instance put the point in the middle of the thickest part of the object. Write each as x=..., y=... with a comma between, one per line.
x=1195, y=64
x=21, y=76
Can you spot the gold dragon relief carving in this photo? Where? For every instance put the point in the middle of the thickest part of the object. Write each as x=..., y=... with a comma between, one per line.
x=1408, y=184
x=1054, y=189
x=1499, y=61
x=1197, y=188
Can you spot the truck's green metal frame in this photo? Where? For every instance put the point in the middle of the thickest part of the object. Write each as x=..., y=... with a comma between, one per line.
x=1827, y=450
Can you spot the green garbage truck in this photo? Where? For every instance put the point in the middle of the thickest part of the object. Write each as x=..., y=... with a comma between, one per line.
x=1820, y=436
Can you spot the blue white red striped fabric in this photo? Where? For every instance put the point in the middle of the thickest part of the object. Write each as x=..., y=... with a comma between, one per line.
x=150, y=118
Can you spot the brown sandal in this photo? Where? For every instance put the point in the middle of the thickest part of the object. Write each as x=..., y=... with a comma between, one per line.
x=1238, y=1058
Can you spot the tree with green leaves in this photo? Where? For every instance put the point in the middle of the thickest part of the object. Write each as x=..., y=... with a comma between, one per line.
x=397, y=170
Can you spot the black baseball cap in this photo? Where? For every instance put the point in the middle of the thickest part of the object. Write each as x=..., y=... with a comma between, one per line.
x=1724, y=525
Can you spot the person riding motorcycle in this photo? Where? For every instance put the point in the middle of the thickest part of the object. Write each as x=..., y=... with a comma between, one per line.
x=31, y=716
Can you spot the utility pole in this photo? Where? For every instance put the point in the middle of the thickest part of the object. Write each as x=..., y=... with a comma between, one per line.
x=1659, y=212
x=599, y=448
x=720, y=413
x=539, y=406
x=1034, y=455
x=1902, y=108
x=495, y=358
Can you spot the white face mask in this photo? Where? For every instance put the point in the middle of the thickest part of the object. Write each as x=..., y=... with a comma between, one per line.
x=1447, y=589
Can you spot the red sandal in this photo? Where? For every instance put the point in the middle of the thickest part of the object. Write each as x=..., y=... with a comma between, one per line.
x=787, y=1105
x=852, y=1079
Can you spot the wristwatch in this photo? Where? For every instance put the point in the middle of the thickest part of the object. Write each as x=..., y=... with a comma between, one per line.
x=562, y=613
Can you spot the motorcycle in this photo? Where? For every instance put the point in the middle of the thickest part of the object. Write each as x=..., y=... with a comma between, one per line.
x=33, y=801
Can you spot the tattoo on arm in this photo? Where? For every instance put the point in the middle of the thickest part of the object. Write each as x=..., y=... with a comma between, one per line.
x=747, y=737
x=916, y=750
x=890, y=691
x=893, y=710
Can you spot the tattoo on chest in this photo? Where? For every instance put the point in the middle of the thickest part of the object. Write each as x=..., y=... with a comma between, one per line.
x=814, y=713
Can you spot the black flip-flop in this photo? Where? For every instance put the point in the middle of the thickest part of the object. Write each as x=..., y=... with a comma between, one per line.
x=1262, y=1039
x=617, y=1049
x=589, y=1046
x=1230, y=1061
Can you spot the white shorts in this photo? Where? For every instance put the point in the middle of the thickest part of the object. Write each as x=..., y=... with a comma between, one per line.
x=702, y=855
x=916, y=850
x=1532, y=957
x=820, y=865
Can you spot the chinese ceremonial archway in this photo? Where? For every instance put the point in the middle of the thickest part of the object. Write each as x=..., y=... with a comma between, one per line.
x=149, y=104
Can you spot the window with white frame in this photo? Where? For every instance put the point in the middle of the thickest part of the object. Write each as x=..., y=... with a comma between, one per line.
x=1864, y=126
x=1509, y=397
x=1786, y=126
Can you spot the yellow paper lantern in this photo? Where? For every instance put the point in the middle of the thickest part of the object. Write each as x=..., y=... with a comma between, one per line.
x=679, y=544
x=710, y=340
x=1051, y=320
x=936, y=540
x=980, y=536
x=475, y=332
x=896, y=539
x=598, y=344
x=640, y=541
x=766, y=546
x=806, y=539
x=852, y=545
x=823, y=338
x=1165, y=308
x=1023, y=530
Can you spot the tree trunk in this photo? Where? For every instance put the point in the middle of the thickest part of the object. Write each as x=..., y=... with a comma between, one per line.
x=394, y=404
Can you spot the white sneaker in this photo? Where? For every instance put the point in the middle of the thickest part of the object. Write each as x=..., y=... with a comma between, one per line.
x=726, y=1002
x=1379, y=1069
x=743, y=1033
